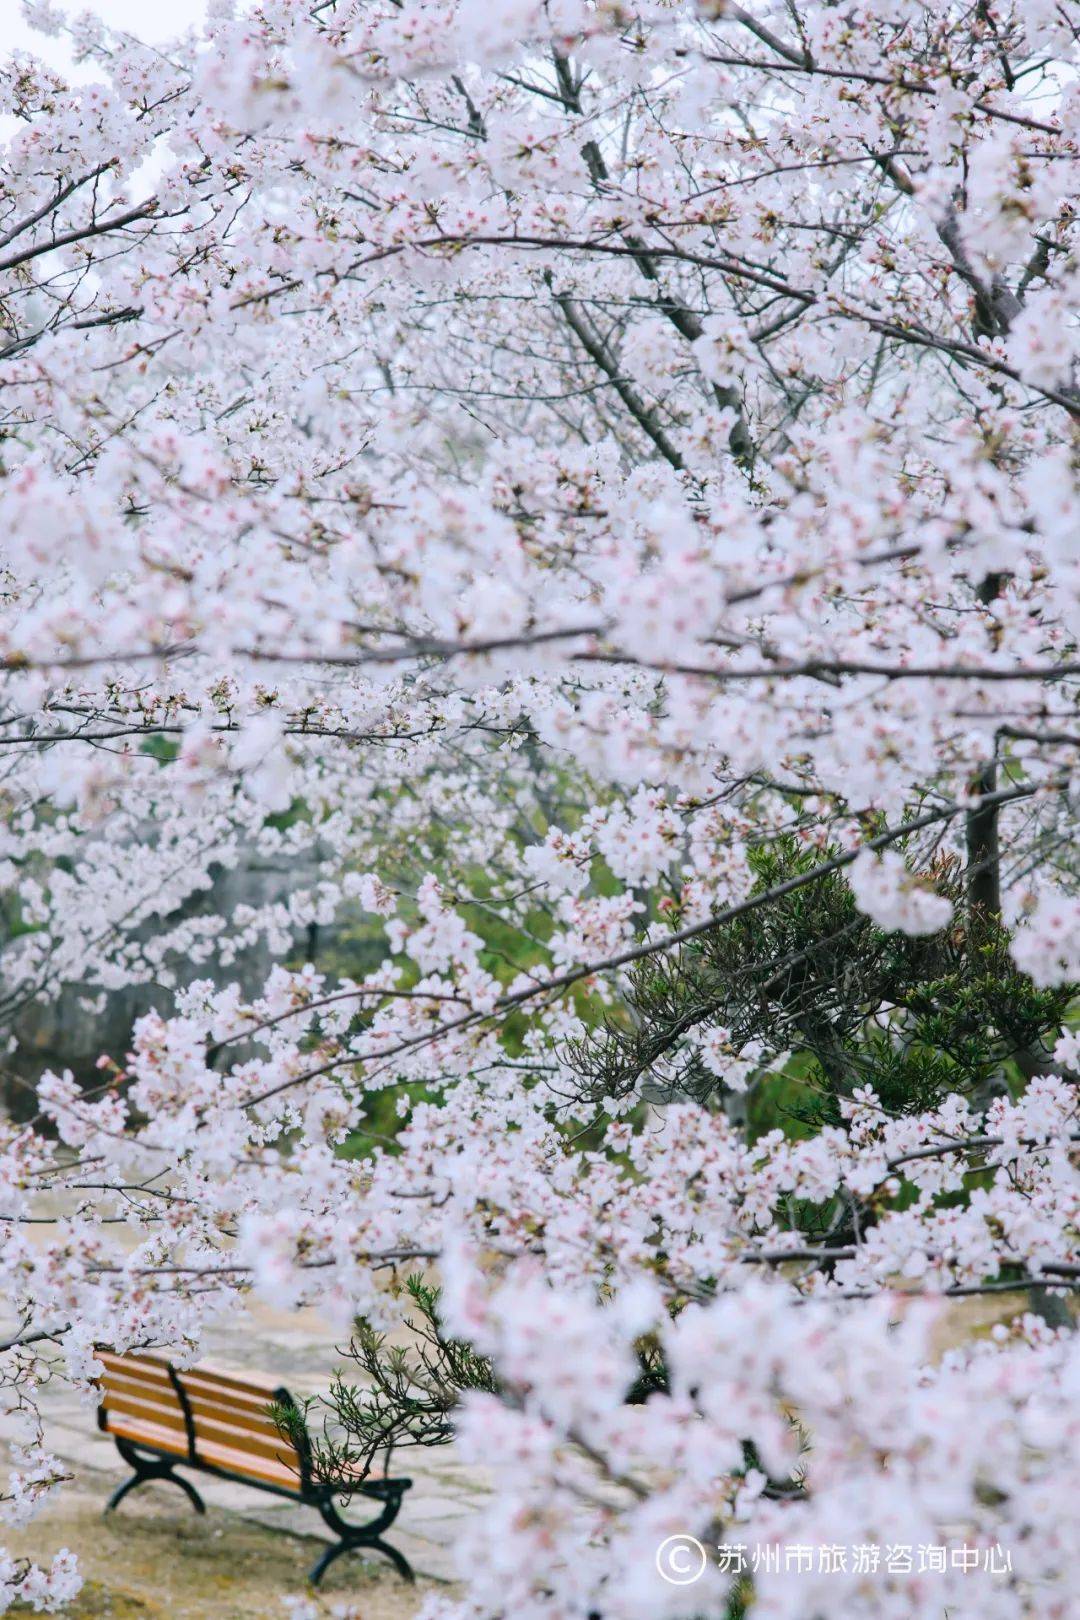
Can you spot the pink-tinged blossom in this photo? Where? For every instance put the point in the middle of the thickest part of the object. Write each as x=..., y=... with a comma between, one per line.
x=1047, y=943
x=895, y=897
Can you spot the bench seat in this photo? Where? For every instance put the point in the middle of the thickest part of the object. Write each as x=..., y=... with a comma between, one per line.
x=218, y=1423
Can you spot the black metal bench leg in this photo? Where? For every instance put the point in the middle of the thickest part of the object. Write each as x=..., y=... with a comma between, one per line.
x=399, y=1561
x=323, y=1562
x=147, y=1472
x=360, y=1537
x=122, y=1490
x=188, y=1489
x=330, y=1556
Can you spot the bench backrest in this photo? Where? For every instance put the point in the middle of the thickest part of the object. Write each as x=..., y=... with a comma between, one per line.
x=215, y=1418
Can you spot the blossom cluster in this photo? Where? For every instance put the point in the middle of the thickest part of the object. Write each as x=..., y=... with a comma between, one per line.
x=514, y=471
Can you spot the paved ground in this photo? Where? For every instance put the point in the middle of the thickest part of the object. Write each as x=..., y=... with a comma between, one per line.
x=156, y=1557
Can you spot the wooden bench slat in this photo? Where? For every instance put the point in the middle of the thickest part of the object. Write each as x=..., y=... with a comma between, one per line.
x=155, y=1369
x=230, y=1406
x=206, y=1451
x=273, y=1447
x=146, y=1389
x=168, y=1416
x=135, y=1370
x=267, y=1443
x=239, y=1462
x=130, y=1389
x=222, y=1413
x=255, y=1405
x=150, y=1434
x=253, y=1384
x=256, y=1422
x=149, y=1388
x=228, y=1401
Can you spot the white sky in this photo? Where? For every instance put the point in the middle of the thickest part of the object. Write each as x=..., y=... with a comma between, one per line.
x=150, y=19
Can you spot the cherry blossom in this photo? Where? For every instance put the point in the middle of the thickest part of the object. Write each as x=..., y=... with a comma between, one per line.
x=555, y=483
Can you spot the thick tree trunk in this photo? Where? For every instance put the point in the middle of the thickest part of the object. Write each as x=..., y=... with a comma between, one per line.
x=984, y=848
x=983, y=845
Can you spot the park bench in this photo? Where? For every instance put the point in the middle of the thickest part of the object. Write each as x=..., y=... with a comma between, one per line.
x=218, y=1423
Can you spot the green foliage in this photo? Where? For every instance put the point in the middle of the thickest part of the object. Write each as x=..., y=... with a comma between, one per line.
x=410, y=1393
x=808, y=974
x=163, y=749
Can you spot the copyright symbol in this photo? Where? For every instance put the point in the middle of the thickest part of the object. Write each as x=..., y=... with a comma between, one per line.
x=680, y=1560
